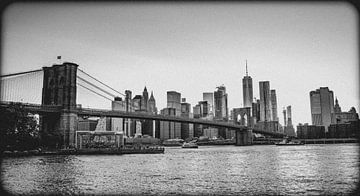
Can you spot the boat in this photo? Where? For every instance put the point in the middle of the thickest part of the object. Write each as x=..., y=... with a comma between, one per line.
x=189, y=145
x=287, y=142
x=173, y=142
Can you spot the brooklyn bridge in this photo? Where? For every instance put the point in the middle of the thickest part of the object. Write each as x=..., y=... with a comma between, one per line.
x=59, y=110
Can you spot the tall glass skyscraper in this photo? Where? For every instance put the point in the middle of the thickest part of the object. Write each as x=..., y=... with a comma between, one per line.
x=274, y=111
x=247, y=89
x=265, y=101
x=220, y=103
x=209, y=97
x=322, y=107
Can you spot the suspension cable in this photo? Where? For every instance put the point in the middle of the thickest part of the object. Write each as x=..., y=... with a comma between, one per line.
x=93, y=85
x=94, y=92
x=19, y=73
x=101, y=82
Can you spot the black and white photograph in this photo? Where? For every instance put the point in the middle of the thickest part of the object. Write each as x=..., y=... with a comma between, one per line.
x=179, y=98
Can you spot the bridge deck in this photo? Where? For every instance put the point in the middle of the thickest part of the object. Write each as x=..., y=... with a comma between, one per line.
x=135, y=115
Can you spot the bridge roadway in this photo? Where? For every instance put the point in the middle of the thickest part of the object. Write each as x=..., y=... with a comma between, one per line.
x=37, y=108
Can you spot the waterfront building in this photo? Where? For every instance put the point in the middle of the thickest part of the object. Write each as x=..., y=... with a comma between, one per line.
x=322, y=107
x=103, y=124
x=265, y=101
x=343, y=117
x=173, y=101
x=87, y=124
x=221, y=103
x=271, y=126
x=350, y=129
x=247, y=89
x=169, y=130
x=117, y=124
x=306, y=131
x=274, y=116
x=187, y=129
x=210, y=132
x=209, y=97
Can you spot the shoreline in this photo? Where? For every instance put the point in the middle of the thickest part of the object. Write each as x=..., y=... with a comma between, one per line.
x=94, y=151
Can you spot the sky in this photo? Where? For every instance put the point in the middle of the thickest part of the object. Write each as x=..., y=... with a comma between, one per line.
x=192, y=48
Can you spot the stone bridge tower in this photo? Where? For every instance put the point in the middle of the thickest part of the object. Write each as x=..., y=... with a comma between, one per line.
x=59, y=88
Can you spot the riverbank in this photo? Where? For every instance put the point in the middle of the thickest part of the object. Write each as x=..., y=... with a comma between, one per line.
x=89, y=151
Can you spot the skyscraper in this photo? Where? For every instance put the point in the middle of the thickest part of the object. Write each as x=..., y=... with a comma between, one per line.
x=220, y=103
x=289, y=118
x=322, y=107
x=209, y=97
x=152, y=104
x=145, y=97
x=265, y=101
x=274, y=105
x=247, y=89
x=173, y=101
x=284, y=113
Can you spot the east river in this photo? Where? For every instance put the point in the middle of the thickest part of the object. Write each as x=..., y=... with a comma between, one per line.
x=331, y=169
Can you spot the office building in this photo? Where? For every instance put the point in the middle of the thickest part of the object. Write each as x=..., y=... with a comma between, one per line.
x=322, y=107
x=221, y=103
x=187, y=129
x=343, y=117
x=152, y=104
x=307, y=131
x=173, y=101
x=247, y=89
x=274, y=111
x=289, y=128
x=256, y=111
x=265, y=101
x=169, y=130
x=209, y=97
x=145, y=99
x=284, y=113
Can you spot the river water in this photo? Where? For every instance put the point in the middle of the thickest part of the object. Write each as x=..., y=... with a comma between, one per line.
x=330, y=169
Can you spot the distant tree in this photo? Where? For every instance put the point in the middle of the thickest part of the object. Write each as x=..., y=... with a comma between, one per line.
x=19, y=129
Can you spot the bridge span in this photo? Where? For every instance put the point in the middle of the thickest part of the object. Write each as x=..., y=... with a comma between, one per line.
x=37, y=108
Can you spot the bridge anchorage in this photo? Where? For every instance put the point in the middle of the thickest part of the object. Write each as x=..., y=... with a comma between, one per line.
x=59, y=114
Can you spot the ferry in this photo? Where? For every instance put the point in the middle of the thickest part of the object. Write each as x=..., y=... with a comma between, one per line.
x=287, y=142
x=189, y=145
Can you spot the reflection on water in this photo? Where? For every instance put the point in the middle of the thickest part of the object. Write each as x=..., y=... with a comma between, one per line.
x=251, y=170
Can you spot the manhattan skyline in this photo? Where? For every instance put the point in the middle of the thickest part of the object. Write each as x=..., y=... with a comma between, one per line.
x=192, y=48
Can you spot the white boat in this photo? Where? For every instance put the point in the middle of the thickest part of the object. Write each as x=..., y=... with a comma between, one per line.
x=189, y=145
x=287, y=142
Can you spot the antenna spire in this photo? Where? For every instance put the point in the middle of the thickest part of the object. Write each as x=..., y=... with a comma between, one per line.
x=246, y=68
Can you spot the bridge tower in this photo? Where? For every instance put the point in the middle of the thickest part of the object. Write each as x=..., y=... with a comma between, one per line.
x=59, y=88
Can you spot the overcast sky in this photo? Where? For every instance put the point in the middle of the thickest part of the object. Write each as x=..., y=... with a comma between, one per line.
x=193, y=48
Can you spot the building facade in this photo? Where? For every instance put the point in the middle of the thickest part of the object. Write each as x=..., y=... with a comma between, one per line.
x=265, y=101
x=220, y=103
x=209, y=97
x=274, y=112
x=247, y=89
x=322, y=107
x=169, y=130
x=174, y=101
